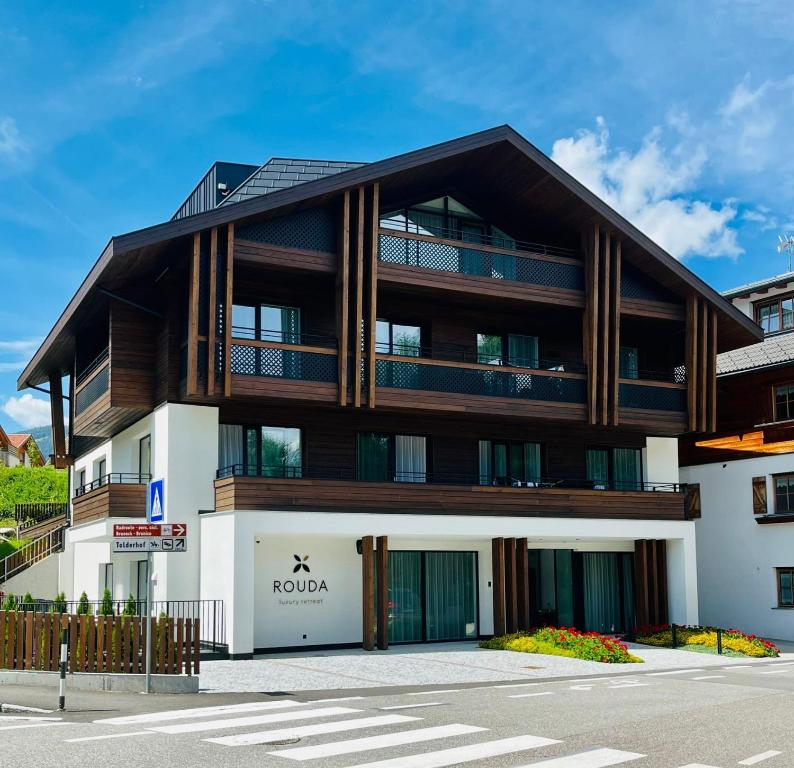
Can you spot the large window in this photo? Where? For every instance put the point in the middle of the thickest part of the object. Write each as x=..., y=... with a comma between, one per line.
x=784, y=494
x=629, y=363
x=785, y=587
x=394, y=339
x=387, y=458
x=776, y=315
x=267, y=451
x=267, y=322
x=522, y=350
x=509, y=463
x=784, y=402
x=145, y=456
x=616, y=468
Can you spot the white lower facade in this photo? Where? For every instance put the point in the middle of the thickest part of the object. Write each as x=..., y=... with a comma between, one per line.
x=738, y=558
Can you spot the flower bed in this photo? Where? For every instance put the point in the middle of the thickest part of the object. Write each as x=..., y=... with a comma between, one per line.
x=704, y=639
x=551, y=641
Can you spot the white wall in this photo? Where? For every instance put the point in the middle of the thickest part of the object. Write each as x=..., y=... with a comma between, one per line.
x=737, y=557
x=660, y=460
x=40, y=580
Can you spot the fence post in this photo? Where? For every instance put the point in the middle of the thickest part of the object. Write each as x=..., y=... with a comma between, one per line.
x=673, y=638
x=719, y=641
x=62, y=670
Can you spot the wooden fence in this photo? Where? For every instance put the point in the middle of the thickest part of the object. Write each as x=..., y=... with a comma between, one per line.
x=117, y=644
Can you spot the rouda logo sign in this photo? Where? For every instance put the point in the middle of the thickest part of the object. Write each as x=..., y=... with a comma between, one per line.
x=290, y=586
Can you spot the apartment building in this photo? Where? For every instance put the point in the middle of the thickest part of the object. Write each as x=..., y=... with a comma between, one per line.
x=745, y=472
x=428, y=398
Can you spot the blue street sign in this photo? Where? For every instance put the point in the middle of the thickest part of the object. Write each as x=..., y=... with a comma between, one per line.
x=155, y=502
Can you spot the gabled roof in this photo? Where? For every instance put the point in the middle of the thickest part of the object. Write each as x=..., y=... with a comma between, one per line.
x=491, y=157
x=759, y=286
x=772, y=352
x=284, y=173
x=4, y=441
x=18, y=440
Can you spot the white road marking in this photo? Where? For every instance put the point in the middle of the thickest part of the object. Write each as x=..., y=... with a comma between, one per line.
x=597, y=758
x=515, y=685
x=738, y=666
x=30, y=725
x=581, y=688
x=698, y=765
x=383, y=741
x=530, y=695
x=315, y=729
x=459, y=755
x=341, y=698
x=674, y=672
x=240, y=722
x=418, y=705
x=434, y=693
x=28, y=718
x=709, y=677
x=632, y=684
x=776, y=672
x=185, y=714
x=110, y=736
x=755, y=759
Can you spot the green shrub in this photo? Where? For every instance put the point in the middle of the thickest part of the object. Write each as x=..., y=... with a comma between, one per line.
x=131, y=607
x=106, y=609
x=83, y=606
x=59, y=604
x=10, y=602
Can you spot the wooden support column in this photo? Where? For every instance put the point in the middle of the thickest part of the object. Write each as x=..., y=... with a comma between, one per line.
x=511, y=598
x=498, y=585
x=368, y=593
x=343, y=299
x=711, y=379
x=372, y=258
x=227, y=313
x=603, y=332
x=614, y=334
x=650, y=581
x=592, y=260
x=192, y=317
x=212, y=308
x=382, y=565
x=692, y=362
x=703, y=375
x=642, y=613
x=358, y=315
x=56, y=412
x=522, y=584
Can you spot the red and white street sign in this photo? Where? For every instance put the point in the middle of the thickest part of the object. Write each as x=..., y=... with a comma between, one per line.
x=135, y=530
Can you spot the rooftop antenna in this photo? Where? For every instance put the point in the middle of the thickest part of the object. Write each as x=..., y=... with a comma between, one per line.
x=786, y=245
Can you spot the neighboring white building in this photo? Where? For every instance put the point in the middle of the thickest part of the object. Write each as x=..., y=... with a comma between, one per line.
x=18, y=449
x=745, y=537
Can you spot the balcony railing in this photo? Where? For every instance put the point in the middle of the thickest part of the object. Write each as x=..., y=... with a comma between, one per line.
x=557, y=268
x=444, y=478
x=650, y=398
x=96, y=363
x=113, y=478
x=283, y=361
x=297, y=338
x=482, y=380
x=94, y=385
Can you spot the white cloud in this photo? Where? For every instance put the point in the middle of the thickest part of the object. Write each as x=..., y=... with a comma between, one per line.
x=15, y=353
x=12, y=145
x=652, y=188
x=28, y=411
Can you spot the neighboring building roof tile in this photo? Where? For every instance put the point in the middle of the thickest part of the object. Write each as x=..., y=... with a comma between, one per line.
x=772, y=351
x=759, y=285
x=18, y=440
x=285, y=172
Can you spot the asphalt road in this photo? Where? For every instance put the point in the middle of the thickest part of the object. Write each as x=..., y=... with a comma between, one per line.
x=711, y=718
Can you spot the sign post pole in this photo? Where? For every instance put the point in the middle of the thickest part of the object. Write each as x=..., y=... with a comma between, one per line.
x=149, y=641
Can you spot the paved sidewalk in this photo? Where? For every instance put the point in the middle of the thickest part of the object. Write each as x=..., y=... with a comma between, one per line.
x=443, y=664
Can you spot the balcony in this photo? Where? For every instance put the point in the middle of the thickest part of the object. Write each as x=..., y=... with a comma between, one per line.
x=261, y=366
x=318, y=489
x=653, y=395
x=529, y=271
x=113, y=495
x=448, y=382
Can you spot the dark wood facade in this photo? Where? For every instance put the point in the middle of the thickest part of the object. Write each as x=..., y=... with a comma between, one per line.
x=112, y=500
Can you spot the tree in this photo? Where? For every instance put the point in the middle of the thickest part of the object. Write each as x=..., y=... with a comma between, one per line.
x=83, y=607
x=10, y=602
x=32, y=450
x=27, y=602
x=59, y=604
x=30, y=485
x=131, y=607
x=106, y=609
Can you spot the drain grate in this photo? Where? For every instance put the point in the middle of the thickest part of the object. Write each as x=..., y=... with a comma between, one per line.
x=281, y=742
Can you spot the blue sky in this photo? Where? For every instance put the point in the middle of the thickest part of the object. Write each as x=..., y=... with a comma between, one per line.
x=680, y=114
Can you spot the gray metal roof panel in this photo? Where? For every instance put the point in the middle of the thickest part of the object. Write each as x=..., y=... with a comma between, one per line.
x=759, y=285
x=772, y=351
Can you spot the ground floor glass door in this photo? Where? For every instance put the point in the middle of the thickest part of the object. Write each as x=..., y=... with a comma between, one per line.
x=608, y=592
x=432, y=596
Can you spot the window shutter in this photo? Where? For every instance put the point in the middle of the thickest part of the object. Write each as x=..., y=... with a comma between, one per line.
x=759, y=496
x=692, y=501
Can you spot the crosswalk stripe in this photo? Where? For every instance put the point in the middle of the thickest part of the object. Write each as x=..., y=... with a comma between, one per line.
x=596, y=758
x=240, y=722
x=709, y=677
x=28, y=719
x=185, y=714
x=20, y=726
x=418, y=705
x=315, y=729
x=755, y=759
x=110, y=736
x=673, y=672
x=530, y=695
x=698, y=765
x=776, y=672
x=467, y=754
x=381, y=741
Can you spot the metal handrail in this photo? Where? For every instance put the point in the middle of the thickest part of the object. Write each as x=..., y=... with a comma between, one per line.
x=494, y=241
x=298, y=338
x=31, y=553
x=94, y=365
x=128, y=478
x=444, y=478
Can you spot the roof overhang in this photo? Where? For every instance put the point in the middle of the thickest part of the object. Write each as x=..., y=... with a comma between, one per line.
x=499, y=155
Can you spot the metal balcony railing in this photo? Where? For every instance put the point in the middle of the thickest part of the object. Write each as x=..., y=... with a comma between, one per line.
x=112, y=478
x=258, y=359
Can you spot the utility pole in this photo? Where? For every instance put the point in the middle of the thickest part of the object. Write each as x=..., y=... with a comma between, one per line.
x=786, y=246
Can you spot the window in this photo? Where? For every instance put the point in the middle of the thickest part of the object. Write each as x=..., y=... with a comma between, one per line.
x=106, y=577
x=100, y=470
x=776, y=315
x=522, y=350
x=394, y=339
x=509, y=463
x=139, y=579
x=267, y=323
x=785, y=587
x=489, y=349
x=629, y=363
x=616, y=468
x=387, y=458
x=273, y=451
x=784, y=494
x=145, y=456
x=81, y=478
x=784, y=402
